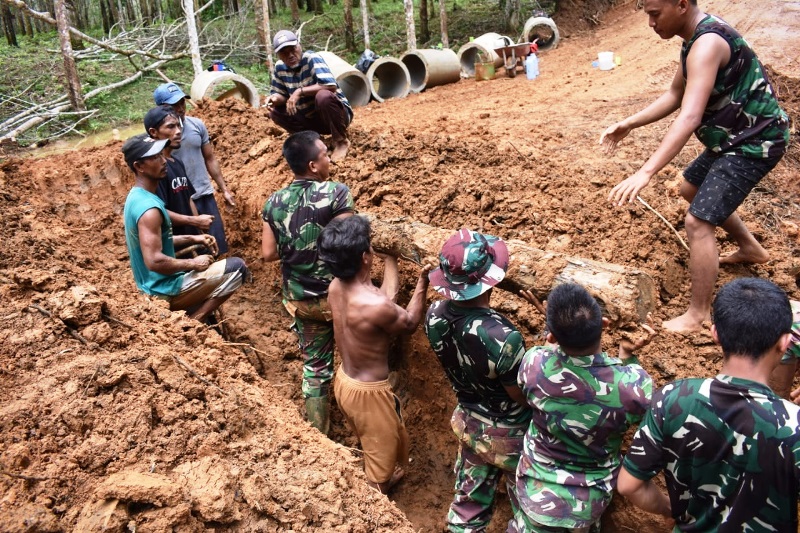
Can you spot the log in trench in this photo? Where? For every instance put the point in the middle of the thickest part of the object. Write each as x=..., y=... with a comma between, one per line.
x=626, y=295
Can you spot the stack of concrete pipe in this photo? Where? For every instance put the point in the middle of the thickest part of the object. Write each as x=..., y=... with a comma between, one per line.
x=353, y=82
x=389, y=77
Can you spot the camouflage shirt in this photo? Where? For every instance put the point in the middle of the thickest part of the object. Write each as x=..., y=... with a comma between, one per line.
x=730, y=451
x=582, y=407
x=794, y=345
x=742, y=116
x=296, y=215
x=480, y=351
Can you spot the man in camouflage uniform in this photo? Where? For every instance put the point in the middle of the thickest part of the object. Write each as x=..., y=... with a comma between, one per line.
x=583, y=402
x=729, y=446
x=293, y=219
x=480, y=351
x=726, y=99
x=783, y=375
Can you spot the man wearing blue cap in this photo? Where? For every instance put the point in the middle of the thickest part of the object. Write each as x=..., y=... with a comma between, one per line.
x=480, y=351
x=197, y=155
x=176, y=190
x=305, y=95
x=198, y=285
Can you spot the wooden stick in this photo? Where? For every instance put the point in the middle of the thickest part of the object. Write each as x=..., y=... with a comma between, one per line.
x=21, y=476
x=665, y=221
x=72, y=332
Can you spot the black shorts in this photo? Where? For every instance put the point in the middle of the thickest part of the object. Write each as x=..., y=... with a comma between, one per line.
x=723, y=182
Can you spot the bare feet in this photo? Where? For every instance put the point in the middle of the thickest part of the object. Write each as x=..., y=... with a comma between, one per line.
x=686, y=323
x=746, y=255
x=385, y=487
x=340, y=149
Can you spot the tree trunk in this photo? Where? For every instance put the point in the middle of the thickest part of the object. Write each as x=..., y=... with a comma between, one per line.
x=70, y=69
x=411, y=32
x=365, y=22
x=295, y=11
x=264, y=33
x=27, y=23
x=443, y=23
x=318, y=10
x=626, y=295
x=191, y=30
x=8, y=26
x=349, y=34
x=512, y=11
x=424, y=30
x=105, y=17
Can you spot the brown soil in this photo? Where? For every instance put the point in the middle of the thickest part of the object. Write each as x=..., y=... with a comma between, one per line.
x=117, y=413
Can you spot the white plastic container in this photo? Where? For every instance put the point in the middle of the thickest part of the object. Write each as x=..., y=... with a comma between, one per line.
x=531, y=66
x=605, y=60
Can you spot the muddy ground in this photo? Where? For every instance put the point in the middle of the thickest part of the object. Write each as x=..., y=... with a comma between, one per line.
x=117, y=414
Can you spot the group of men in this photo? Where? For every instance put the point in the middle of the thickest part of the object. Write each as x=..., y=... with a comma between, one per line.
x=549, y=420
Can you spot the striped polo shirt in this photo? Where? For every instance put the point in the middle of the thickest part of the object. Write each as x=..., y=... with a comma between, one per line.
x=311, y=70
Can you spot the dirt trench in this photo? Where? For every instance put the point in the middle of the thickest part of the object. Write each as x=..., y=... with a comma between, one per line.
x=117, y=413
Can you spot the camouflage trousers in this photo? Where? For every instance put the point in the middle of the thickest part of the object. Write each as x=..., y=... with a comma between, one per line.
x=525, y=525
x=486, y=453
x=314, y=328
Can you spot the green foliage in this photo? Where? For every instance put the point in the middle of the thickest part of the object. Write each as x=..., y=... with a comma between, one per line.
x=34, y=71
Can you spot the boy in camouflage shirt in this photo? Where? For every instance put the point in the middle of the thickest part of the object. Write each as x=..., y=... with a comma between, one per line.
x=583, y=402
x=293, y=219
x=729, y=446
x=480, y=351
x=726, y=100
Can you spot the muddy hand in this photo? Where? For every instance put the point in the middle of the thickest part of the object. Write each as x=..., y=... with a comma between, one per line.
x=628, y=190
x=531, y=298
x=627, y=347
x=612, y=136
x=204, y=221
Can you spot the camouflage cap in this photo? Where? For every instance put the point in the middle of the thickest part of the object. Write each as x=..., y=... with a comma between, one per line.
x=470, y=264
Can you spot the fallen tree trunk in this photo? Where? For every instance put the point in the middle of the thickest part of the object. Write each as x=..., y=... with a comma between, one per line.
x=627, y=295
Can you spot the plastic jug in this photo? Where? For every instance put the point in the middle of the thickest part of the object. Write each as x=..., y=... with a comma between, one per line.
x=531, y=66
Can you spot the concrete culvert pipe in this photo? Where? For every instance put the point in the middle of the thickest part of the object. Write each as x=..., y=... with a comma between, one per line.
x=388, y=78
x=543, y=29
x=243, y=88
x=353, y=82
x=481, y=50
x=430, y=67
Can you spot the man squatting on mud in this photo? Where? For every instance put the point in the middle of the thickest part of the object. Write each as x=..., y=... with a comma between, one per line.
x=364, y=318
x=198, y=285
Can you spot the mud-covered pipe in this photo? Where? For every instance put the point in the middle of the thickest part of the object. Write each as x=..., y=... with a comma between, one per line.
x=353, y=82
x=429, y=67
x=481, y=50
x=544, y=30
x=388, y=78
x=207, y=80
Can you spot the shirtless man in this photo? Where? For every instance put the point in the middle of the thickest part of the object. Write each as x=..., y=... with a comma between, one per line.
x=364, y=317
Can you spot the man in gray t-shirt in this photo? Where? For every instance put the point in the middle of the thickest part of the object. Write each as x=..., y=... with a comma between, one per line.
x=197, y=155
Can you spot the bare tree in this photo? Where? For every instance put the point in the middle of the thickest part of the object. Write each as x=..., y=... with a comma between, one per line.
x=511, y=12
x=365, y=22
x=8, y=26
x=194, y=42
x=295, y=11
x=443, y=23
x=70, y=69
x=411, y=32
x=424, y=31
x=349, y=34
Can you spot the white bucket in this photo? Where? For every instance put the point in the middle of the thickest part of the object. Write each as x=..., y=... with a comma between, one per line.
x=605, y=60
